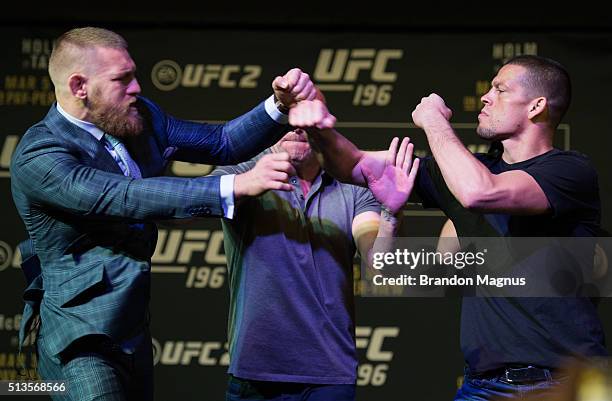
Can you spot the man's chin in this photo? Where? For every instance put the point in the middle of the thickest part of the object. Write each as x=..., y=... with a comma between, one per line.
x=486, y=134
x=128, y=128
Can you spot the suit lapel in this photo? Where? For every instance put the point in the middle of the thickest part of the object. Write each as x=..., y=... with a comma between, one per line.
x=143, y=149
x=91, y=147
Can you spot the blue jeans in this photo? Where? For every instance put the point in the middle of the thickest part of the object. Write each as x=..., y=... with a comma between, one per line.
x=246, y=390
x=497, y=388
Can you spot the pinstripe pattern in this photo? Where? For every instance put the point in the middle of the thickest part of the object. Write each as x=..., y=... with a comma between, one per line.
x=79, y=210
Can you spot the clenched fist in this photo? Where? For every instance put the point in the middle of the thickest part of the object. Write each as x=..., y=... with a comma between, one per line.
x=432, y=109
x=311, y=114
x=293, y=87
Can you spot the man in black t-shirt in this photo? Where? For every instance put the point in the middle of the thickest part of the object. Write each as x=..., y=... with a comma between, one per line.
x=531, y=189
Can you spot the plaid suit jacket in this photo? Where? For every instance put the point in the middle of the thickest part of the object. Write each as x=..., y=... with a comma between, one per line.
x=80, y=213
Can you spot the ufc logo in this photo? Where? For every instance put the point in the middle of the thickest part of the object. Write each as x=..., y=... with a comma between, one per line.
x=178, y=246
x=372, y=340
x=346, y=64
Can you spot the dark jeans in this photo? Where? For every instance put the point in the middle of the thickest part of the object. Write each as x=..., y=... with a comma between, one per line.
x=244, y=390
x=498, y=388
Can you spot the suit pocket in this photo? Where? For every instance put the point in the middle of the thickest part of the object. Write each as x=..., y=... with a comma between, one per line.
x=83, y=285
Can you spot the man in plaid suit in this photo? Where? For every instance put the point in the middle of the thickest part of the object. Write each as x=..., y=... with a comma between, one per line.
x=86, y=182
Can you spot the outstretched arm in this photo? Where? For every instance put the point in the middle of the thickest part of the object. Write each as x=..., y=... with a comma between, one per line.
x=240, y=138
x=337, y=155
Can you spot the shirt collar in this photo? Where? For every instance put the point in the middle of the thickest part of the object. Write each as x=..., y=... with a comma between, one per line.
x=86, y=125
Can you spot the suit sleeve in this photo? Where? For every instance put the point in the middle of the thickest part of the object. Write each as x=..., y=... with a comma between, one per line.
x=230, y=143
x=48, y=173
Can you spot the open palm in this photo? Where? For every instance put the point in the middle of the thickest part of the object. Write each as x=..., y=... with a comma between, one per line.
x=392, y=183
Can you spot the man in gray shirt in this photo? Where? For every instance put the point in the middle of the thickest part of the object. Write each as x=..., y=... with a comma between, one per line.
x=290, y=262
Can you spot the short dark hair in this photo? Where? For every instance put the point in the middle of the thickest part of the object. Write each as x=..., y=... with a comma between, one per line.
x=547, y=78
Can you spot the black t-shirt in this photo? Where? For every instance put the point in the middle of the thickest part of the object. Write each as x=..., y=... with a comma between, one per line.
x=497, y=332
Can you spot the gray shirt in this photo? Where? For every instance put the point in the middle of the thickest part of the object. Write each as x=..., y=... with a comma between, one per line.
x=290, y=265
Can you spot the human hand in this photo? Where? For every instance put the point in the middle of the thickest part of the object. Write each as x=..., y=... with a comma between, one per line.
x=432, y=109
x=272, y=171
x=392, y=184
x=311, y=114
x=293, y=87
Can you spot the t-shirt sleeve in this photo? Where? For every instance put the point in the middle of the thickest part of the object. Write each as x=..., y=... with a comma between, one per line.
x=568, y=180
x=239, y=168
x=428, y=181
x=365, y=201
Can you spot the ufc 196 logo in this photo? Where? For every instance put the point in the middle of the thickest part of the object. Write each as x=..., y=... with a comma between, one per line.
x=192, y=253
x=364, y=72
x=374, y=371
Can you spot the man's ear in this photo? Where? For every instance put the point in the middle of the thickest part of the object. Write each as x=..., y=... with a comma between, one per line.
x=537, y=107
x=77, y=84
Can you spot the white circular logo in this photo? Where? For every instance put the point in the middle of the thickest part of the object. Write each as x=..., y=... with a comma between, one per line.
x=6, y=255
x=156, y=351
x=166, y=75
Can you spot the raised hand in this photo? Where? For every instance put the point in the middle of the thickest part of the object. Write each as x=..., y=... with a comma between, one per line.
x=293, y=87
x=431, y=109
x=392, y=185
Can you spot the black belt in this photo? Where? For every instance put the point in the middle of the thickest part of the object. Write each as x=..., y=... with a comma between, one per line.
x=515, y=374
